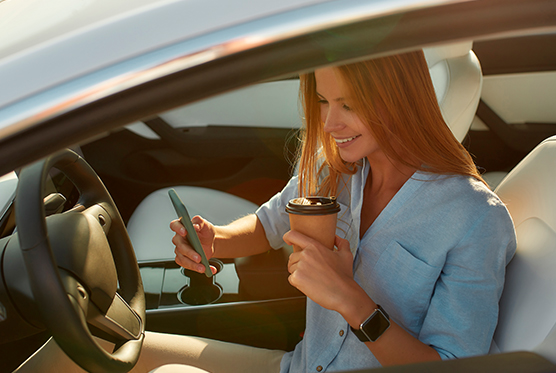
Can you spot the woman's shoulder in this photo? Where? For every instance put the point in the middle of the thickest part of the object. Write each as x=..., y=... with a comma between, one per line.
x=470, y=203
x=464, y=192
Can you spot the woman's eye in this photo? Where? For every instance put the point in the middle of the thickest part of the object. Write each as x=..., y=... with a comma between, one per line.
x=322, y=102
x=347, y=108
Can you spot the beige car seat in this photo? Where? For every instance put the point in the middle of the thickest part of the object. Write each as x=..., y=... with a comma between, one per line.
x=528, y=305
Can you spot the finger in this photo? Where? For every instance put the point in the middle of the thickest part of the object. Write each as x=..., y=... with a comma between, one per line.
x=187, y=251
x=180, y=241
x=300, y=240
x=177, y=227
x=201, y=226
x=341, y=244
x=185, y=262
x=294, y=257
x=296, y=280
x=292, y=263
x=292, y=280
x=177, y=239
x=198, y=221
x=303, y=260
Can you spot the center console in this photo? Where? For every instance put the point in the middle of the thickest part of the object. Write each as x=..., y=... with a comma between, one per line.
x=248, y=301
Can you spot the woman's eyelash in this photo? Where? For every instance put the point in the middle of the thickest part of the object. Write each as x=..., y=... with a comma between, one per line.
x=323, y=101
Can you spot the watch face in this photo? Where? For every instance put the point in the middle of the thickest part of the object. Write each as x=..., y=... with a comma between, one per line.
x=375, y=325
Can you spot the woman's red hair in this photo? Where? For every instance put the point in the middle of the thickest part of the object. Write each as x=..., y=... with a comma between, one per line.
x=395, y=97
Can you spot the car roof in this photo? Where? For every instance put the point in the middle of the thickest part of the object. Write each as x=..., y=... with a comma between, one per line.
x=54, y=41
x=47, y=45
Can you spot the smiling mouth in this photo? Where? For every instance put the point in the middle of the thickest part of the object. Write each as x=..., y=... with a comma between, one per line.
x=343, y=141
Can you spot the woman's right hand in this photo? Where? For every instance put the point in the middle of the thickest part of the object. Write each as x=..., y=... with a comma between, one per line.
x=186, y=256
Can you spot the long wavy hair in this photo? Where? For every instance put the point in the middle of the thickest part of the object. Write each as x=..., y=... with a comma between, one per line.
x=395, y=97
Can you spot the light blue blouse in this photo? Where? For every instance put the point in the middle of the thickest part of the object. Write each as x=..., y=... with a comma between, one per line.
x=434, y=259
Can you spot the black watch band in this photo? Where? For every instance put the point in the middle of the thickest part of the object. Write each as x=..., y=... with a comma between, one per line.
x=374, y=326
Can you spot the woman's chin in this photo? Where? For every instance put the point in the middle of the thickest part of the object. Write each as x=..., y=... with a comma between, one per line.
x=349, y=158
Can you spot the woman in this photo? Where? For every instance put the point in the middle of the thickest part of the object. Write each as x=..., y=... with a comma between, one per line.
x=419, y=233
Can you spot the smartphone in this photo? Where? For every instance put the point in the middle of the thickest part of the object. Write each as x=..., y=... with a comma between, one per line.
x=191, y=237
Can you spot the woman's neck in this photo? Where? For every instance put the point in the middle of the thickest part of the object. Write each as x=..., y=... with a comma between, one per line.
x=385, y=179
x=386, y=174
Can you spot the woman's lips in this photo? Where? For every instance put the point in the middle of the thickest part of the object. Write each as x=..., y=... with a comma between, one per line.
x=346, y=141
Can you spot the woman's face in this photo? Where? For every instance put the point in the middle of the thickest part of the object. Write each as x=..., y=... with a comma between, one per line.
x=352, y=136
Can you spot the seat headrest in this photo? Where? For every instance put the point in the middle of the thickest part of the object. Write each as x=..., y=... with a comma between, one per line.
x=433, y=55
x=528, y=193
x=528, y=190
x=457, y=80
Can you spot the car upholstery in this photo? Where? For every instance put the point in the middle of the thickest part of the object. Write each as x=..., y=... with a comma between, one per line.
x=528, y=304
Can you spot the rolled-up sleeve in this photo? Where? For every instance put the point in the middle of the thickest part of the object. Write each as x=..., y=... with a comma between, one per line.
x=273, y=215
x=463, y=312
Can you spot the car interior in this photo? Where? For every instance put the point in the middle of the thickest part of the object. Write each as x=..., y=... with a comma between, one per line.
x=265, y=276
x=225, y=163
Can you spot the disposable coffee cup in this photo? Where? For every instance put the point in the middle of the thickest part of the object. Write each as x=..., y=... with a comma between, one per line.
x=315, y=217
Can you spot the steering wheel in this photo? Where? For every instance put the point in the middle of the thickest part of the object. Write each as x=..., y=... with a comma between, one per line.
x=75, y=262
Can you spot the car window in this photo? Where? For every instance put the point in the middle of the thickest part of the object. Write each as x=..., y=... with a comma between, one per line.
x=270, y=104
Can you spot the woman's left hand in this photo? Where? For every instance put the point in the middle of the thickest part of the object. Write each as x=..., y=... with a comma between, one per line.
x=320, y=273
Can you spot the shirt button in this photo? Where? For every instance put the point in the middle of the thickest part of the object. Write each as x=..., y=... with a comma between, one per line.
x=341, y=333
x=319, y=368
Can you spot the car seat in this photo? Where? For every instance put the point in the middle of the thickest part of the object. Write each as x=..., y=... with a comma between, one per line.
x=149, y=226
x=528, y=305
x=457, y=79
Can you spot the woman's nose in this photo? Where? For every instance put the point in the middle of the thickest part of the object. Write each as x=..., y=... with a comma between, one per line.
x=332, y=122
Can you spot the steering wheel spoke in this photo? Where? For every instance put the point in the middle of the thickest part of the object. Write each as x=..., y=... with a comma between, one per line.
x=76, y=291
x=120, y=321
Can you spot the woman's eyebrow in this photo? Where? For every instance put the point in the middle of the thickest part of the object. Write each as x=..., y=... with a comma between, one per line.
x=337, y=99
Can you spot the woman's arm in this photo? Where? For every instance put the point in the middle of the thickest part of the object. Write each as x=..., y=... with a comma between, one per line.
x=326, y=277
x=396, y=346
x=243, y=237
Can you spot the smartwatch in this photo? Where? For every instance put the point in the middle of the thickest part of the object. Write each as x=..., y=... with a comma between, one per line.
x=374, y=326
